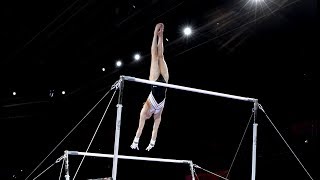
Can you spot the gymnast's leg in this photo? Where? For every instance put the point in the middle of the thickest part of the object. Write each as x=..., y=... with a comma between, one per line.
x=153, y=76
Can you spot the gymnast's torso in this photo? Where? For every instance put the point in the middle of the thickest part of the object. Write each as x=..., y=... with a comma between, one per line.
x=159, y=92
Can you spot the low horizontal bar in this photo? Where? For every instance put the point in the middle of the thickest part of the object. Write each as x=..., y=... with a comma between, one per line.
x=129, y=78
x=128, y=157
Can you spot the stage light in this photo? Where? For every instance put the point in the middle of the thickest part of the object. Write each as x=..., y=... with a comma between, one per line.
x=118, y=63
x=137, y=57
x=187, y=31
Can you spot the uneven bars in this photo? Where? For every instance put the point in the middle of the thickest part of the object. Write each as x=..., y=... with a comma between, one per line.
x=129, y=78
x=128, y=157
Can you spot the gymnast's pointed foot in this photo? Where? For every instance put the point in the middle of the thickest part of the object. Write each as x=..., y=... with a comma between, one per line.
x=159, y=27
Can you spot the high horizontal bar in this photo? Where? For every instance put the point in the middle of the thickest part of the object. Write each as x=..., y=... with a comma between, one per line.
x=127, y=157
x=129, y=78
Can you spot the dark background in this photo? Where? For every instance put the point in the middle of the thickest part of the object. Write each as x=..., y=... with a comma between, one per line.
x=266, y=51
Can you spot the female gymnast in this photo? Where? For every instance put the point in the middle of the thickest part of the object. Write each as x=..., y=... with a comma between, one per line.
x=155, y=102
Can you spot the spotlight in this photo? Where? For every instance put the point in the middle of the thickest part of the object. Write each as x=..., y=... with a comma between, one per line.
x=118, y=63
x=187, y=31
x=137, y=57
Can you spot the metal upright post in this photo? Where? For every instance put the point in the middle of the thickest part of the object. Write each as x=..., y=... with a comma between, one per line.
x=191, y=169
x=254, y=140
x=66, y=165
x=117, y=132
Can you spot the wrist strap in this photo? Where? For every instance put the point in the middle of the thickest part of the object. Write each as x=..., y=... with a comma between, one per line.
x=152, y=142
x=136, y=140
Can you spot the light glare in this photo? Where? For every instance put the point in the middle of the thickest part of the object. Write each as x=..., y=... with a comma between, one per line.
x=118, y=63
x=187, y=31
x=137, y=57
